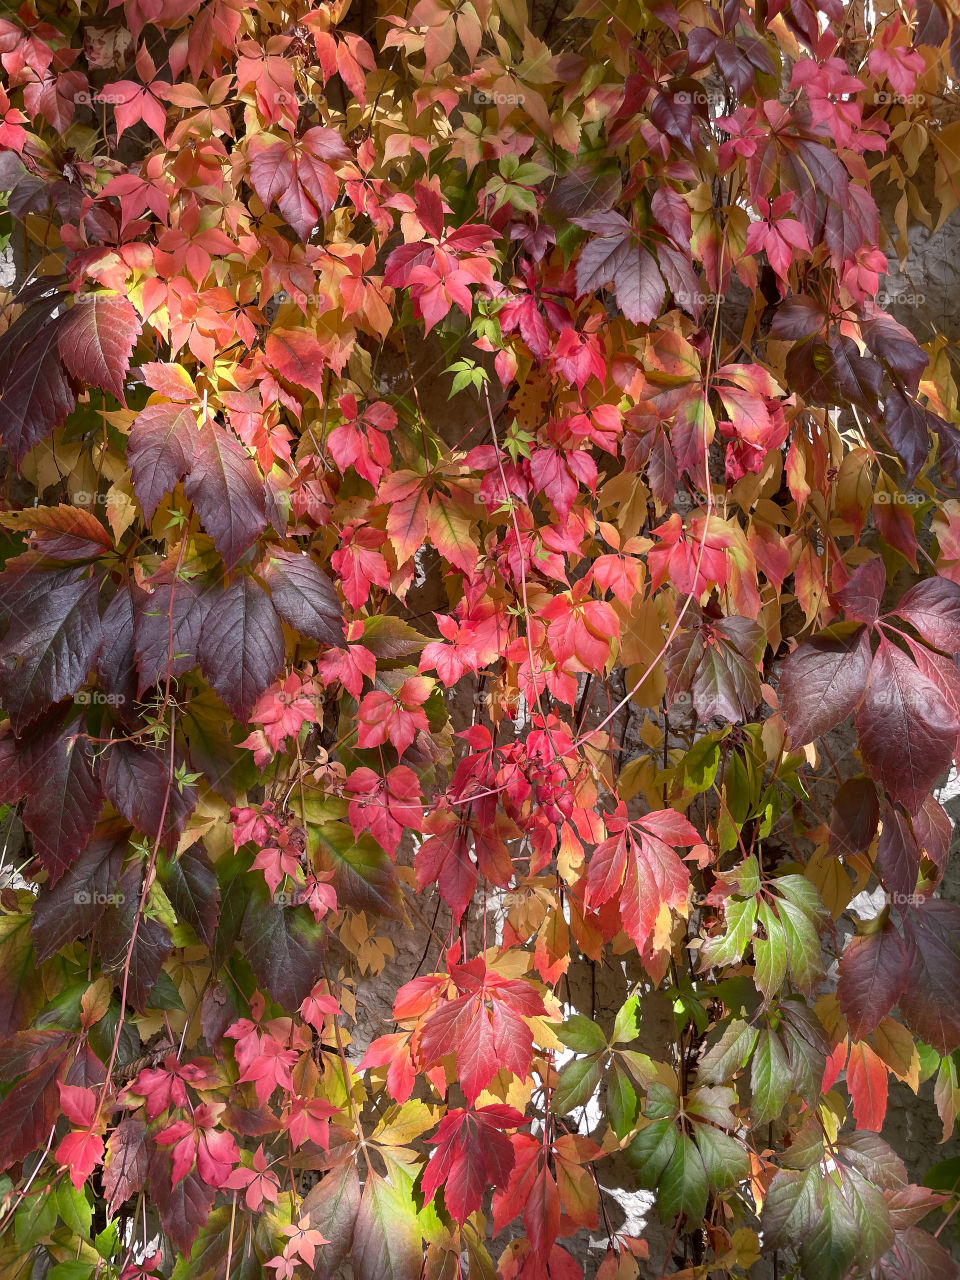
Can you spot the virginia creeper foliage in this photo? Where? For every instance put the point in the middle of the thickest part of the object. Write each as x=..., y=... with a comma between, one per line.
x=461, y=477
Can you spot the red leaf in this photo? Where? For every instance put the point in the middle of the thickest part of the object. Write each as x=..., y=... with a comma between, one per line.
x=96, y=341
x=821, y=683
x=137, y=782
x=472, y=1154
x=867, y=1085
x=872, y=974
x=907, y=731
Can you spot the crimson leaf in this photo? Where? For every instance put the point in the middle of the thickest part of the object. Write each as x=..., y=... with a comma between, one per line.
x=821, y=683
x=96, y=339
x=160, y=451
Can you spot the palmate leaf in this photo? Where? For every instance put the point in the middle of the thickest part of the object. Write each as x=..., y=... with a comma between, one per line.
x=63, y=795
x=160, y=451
x=138, y=783
x=907, y=730
x=872, y=975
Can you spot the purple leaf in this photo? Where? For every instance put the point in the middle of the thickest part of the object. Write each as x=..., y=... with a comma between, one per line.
x=821, y=683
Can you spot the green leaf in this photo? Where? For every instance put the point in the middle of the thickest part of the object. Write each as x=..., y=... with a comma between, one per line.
x=74, y=1209
x=577, y=1084
x=363, y=875
x=770, y=954
x=72, y=1269
x=791, y=1205
x=627, y=1025
x=651, y=1151
x=621, y=1101
x=724, y=1159
x=683, y=1187
x=580, y=1034
x=830, y=1243
x=771, y=1081
x=713, y=1104
x=740, y=914
x=36, y=1218
x=802, y=936
x=729, y=1054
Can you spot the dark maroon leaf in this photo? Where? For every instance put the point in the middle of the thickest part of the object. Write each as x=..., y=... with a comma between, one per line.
x=821, y=683
x=137, y=782
x=35, y=393
x=907, y=427
x=896, y=347
x=929, y=1001
x=192, y=887
x=117, y=663
x=126, y=1162
x=24, y=1051
x=907, y=731
x=717, y=663
x=284, y=947
x=26, y=579
x=858, y=377
x=49, y=650
x=161, y=450
x=797, y=319
x=304, y=596
x=167, y=629
x=184, y=1208
x=115, y=939
x=898, y=855
x=860, y=597
x=72, y=909
x=29, y=1112
x=934, y=832
x=932, y=607
x=63, y=795
x=96, y=339
x=853, y=820
x=241, y=648
x=227, y=490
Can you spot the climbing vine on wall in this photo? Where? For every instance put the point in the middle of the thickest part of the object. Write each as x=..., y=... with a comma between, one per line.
x=461, y=476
